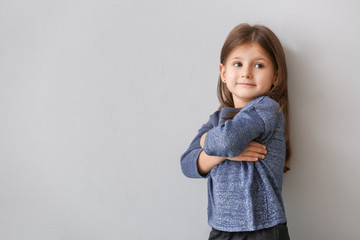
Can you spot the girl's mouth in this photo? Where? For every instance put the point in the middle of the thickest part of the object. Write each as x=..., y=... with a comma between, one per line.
x=247, y=84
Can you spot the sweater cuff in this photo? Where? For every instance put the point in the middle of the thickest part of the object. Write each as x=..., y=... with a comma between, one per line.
x=190, y=169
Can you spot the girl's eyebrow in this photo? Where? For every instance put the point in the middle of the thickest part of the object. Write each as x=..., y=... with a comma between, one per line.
x=254, y=59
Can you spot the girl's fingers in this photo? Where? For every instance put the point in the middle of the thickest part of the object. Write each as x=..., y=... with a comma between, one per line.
x=252, y=153
x=249, y=155
x=256, y=144
x=255, y=149
x=248, y=159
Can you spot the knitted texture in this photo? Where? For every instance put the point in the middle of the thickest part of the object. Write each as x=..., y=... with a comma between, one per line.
x=242, y=196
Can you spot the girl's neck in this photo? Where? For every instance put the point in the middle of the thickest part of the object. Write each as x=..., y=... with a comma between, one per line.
x=241, y=103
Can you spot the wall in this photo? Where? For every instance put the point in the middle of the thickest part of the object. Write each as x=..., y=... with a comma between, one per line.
x=99, y=99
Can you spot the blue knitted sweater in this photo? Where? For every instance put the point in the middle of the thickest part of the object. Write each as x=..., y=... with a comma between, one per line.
x=242, y=196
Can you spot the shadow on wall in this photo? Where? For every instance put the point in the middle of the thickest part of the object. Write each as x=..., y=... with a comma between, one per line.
x=315, y=184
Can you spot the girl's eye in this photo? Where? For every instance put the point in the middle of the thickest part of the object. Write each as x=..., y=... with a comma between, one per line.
x=237, y=64
x=259, y=65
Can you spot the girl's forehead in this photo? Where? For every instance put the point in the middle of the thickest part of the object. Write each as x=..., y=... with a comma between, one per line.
x=252, y=49
x=249, y=47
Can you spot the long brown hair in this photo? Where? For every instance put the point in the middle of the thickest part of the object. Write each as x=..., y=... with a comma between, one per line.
x=243, y=34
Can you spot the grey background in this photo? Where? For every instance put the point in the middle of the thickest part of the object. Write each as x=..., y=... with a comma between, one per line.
x=98, y=100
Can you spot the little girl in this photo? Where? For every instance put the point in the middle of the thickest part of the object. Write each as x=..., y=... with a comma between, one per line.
x=244, y=148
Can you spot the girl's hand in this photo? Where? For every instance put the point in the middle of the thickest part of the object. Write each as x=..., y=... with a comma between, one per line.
x=252, y=153
x=202, y=140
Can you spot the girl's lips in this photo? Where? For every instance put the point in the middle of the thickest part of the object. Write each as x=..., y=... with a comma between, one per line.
x=247, y=84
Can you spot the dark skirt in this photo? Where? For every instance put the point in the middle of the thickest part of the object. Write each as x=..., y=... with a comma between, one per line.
x=278, y=232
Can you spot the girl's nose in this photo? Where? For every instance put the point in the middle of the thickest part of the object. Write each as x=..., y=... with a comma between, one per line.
x=246, y=73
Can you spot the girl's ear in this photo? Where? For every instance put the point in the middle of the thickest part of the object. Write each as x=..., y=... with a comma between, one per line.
x=275, y=78
x=222, y=73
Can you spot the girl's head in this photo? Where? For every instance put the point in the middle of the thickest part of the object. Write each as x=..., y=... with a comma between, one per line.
x=268, y=45
x=252, y=63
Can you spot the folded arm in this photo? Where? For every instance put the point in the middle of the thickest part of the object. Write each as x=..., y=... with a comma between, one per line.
x=233, y=140
x=252, y=153
x=232, y=137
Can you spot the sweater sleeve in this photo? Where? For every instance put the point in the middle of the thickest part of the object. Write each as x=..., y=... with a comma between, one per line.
x=189, y=158
x=256, y=121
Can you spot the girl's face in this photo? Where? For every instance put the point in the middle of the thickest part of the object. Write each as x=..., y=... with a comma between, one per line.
x=248, y=73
